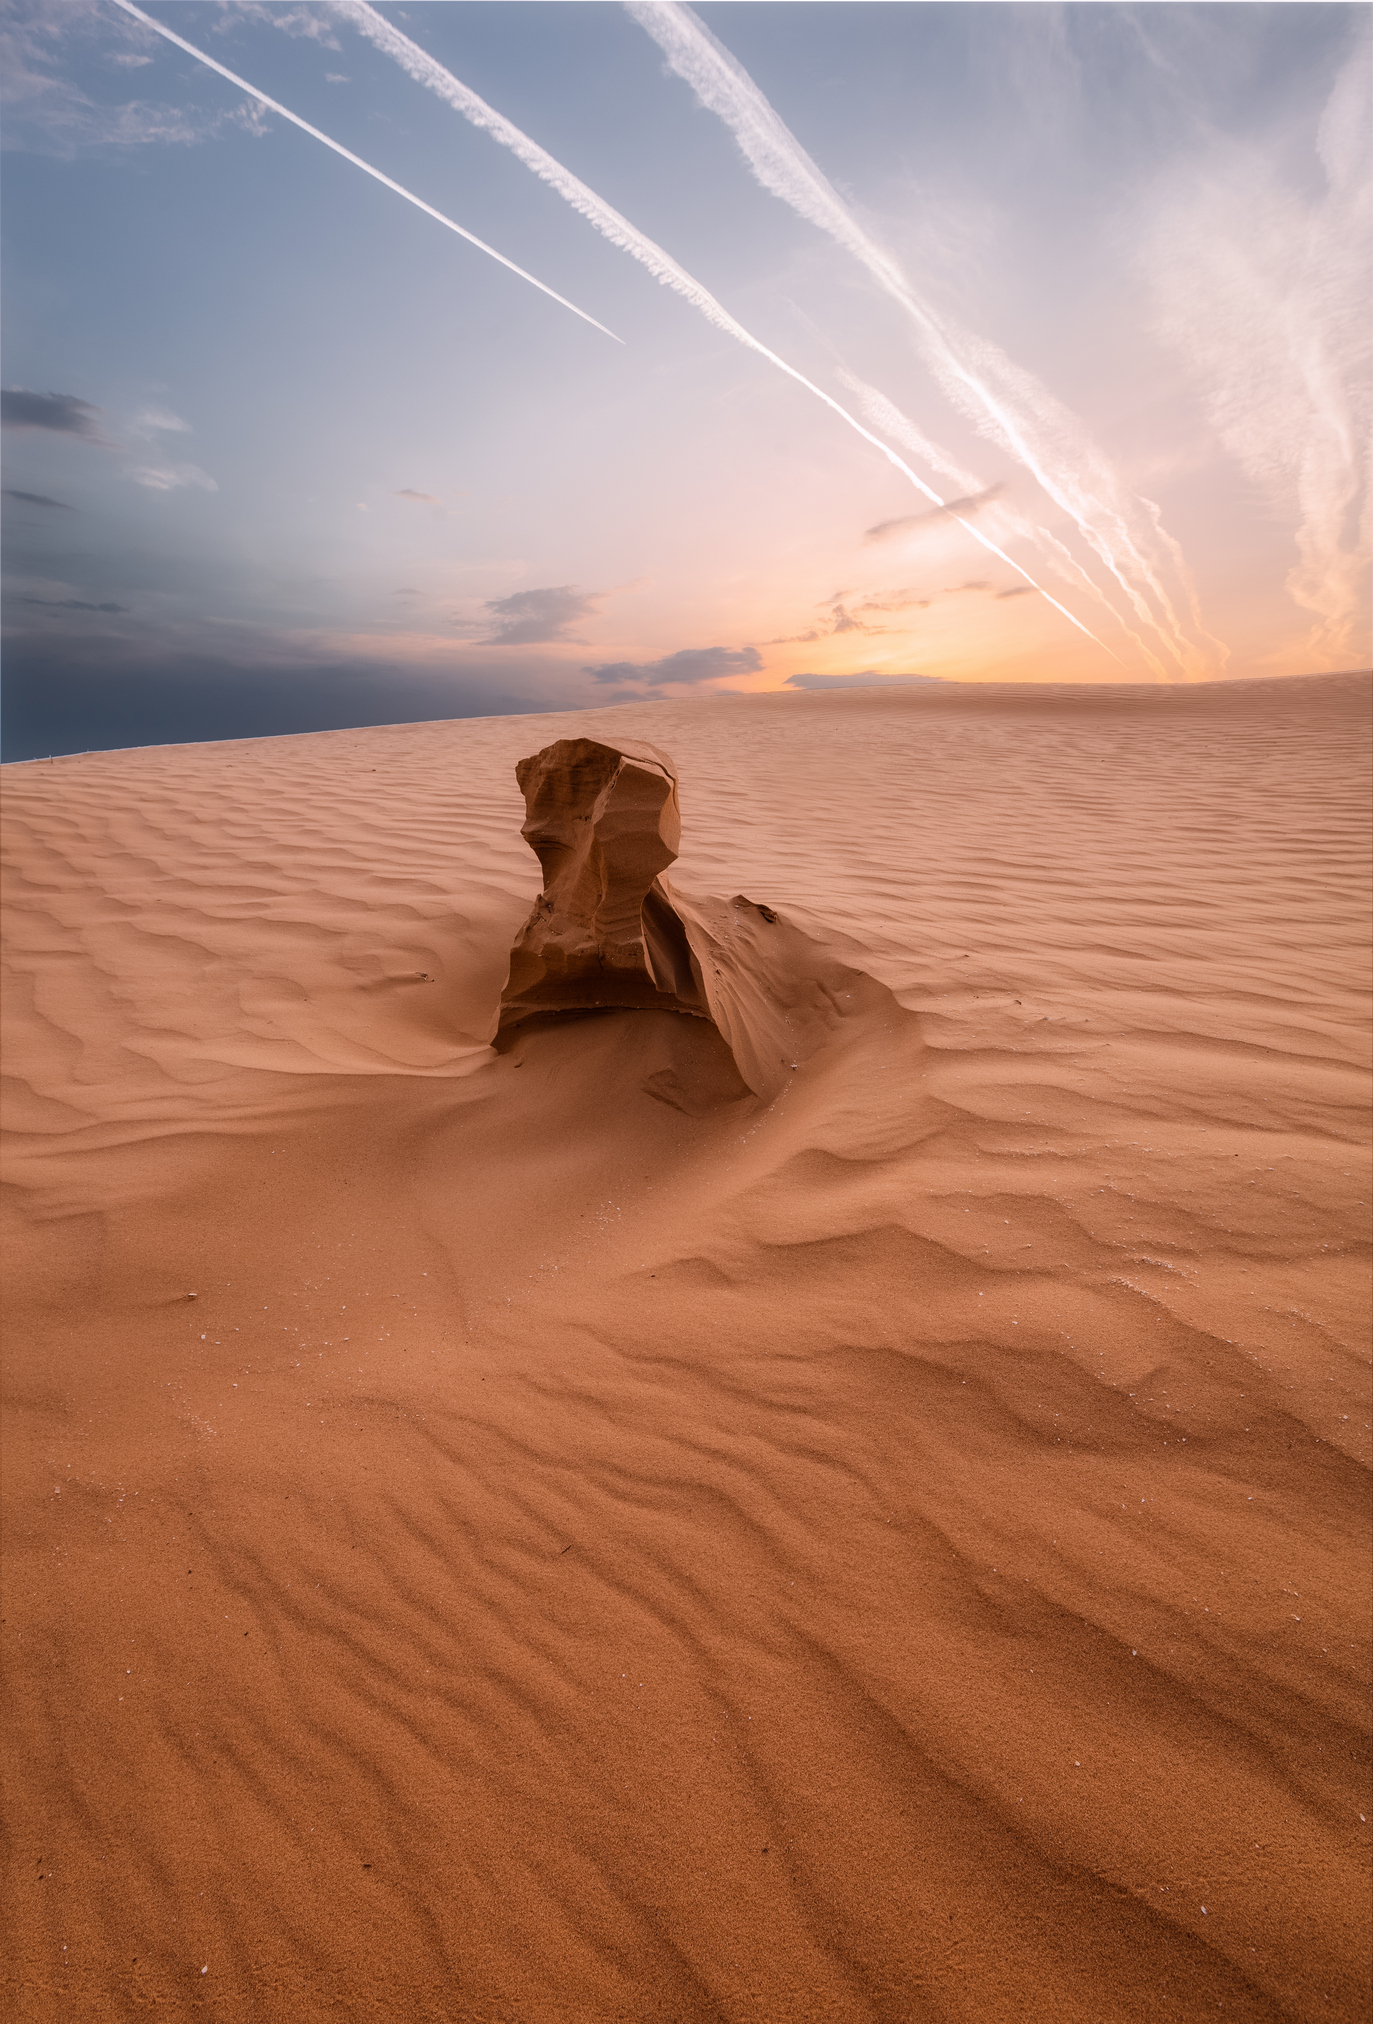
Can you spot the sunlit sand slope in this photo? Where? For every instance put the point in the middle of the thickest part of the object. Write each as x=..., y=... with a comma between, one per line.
x=540, y=1533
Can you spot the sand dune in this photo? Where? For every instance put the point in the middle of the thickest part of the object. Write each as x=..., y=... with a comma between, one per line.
x=545, y=1531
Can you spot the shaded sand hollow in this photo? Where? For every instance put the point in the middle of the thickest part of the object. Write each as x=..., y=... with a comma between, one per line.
x=544, y=1533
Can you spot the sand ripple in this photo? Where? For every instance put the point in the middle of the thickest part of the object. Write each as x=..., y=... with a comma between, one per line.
x=599, y=1546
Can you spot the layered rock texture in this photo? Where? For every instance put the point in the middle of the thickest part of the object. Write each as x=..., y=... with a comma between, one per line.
x=605, y=823
x=609, y=932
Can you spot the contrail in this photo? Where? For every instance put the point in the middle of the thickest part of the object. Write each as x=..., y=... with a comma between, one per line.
x=886, y=416
x=426, y=70
x=358, y=163
x=1017, y=412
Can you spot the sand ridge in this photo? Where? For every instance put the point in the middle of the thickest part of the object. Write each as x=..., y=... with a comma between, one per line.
x=601, y=1543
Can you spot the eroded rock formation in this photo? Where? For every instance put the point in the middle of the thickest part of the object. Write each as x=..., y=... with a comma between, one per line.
x=604, y=822
x=607, y=929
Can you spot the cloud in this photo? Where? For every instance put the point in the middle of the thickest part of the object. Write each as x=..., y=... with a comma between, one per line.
x=850, y=617
x=264, y=104
x=628, y=238
x=36, y=499
x=58, y=700
x=172, y=477
x=1005, y=403
x=888, y=418
x=980, y=583
x=869, y=679
x=885, y=530
x=71, y=604
x=528, y=617
x=64, y=414
x=78, y=681
x=896, y=600
x=148, y=421
x=845, y=622
x=953, y=509
x=1260, y=279
x=842, y=620
x=157, y=474
x=47, y=113
x=68, y=415
x=420, y=498
x=296, y=21
x=687, y=665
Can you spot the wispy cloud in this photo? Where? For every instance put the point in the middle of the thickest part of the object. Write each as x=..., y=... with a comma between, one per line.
x=426, y=70
x=72, y=604
x=687, y=667
x=530, y=617
x=172, y=478
x=36, y=499
x=899, y=600
x=272, y=105
x=158, y=473
x=302, y=22
x=62, y=414
x=956, y=509
x=419, y=498
x=843, y=616
x=1004, y=403
x=69, y=415
x=1261, y=282
x=46, y=112
x=153, y=421
x=845, y=622
x=886, y=416
x=1009, y=522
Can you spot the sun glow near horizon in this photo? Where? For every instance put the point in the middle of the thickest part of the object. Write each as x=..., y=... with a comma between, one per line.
x=957, y=343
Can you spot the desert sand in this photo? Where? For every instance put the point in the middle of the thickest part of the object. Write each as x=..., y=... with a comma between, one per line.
x=552, y=1531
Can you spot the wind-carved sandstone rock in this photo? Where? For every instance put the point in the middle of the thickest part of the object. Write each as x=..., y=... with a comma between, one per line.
x=607, y=930
x=605, y=824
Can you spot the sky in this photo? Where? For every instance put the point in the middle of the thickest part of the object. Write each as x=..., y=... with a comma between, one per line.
x=805, y=345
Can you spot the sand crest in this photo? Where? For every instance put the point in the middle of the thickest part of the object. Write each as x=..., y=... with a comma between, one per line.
x=851, y=1507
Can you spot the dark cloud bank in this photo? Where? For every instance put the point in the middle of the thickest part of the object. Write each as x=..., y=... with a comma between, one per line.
x=64, y=414
x=57, y=700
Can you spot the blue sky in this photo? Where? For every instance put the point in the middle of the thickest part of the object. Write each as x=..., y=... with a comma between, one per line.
x=282, y=452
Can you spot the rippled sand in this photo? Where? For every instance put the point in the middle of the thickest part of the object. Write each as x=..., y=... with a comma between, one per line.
x=595, y=1547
